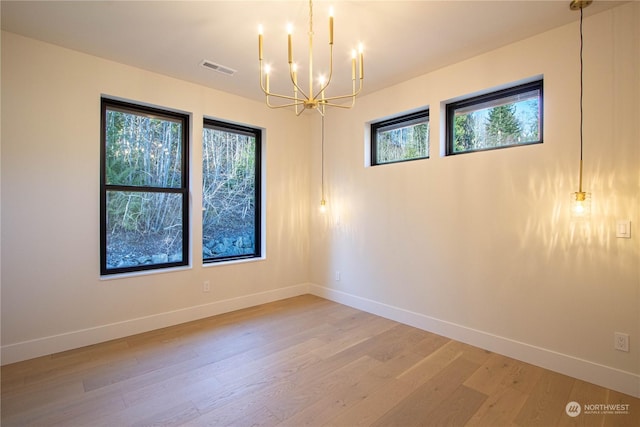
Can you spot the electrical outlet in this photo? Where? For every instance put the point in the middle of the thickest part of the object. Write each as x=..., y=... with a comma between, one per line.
x=206, y=286
x=621, y=341
x=337, y=276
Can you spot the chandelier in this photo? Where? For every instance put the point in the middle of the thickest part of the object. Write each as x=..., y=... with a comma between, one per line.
x=300, y=99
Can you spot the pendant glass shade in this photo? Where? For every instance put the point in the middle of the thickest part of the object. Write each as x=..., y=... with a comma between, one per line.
x=580, y=205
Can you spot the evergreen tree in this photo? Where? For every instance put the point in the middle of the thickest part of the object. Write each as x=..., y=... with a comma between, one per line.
x=502, y=126
x=463, y=133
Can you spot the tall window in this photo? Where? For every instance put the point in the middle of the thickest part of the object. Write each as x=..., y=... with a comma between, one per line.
x=144, y=188
x=499, y=119
x=231, y=186
x=400, y=139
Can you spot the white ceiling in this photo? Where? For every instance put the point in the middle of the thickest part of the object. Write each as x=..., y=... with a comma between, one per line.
x=402, y=39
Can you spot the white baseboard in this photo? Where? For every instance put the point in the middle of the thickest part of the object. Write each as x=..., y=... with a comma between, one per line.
x=605, y=376
x=615, y=379
x=24, y=350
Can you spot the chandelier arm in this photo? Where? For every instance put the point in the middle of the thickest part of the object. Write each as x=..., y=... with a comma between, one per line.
x=330, y=104
x=292, y=104
x=287, y=97
x=262, y=79
x=326, y=84
x=295, y=103
x=295, y=82
x=352, y=95
x=334, y=98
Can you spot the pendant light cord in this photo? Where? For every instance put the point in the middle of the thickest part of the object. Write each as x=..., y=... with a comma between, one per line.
x=581, y=85
x=581, y=112
x=322, y=157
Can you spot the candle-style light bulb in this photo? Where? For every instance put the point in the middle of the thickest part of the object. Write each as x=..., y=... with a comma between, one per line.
x=353, y=64
x=289, y=43
x=360, y=48
x=331, y=25
x=260, y=42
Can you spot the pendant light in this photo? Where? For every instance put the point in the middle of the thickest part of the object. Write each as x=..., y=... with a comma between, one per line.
x=580, y=200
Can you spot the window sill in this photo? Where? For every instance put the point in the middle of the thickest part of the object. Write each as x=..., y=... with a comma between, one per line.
x=145, y=273
x=233, y=261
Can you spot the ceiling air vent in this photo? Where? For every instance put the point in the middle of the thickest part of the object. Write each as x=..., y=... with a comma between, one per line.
x=217, y=67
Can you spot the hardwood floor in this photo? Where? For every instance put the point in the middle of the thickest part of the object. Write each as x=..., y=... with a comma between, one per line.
x=301, y=361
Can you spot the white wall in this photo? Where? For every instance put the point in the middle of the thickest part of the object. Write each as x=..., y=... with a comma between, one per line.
x=480, y=246
x=52, y=295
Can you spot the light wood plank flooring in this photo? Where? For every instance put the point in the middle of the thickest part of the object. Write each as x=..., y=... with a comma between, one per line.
x=301, y=361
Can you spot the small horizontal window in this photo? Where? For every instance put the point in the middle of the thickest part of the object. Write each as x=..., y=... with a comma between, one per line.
x=499, y=119
x=400, y=139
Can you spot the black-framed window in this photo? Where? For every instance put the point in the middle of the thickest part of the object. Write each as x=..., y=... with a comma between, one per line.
x=499, y=119
x=231, y=189
x=400, y=139
x=144, y=188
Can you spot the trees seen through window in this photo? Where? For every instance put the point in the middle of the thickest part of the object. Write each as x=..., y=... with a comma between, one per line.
x=498, y=119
